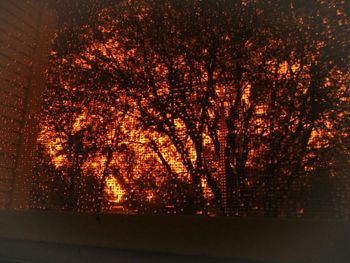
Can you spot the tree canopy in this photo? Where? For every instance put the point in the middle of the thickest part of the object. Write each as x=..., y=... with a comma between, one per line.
x=208, y=107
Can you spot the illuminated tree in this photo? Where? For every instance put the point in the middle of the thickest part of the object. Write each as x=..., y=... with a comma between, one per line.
x=225, y=106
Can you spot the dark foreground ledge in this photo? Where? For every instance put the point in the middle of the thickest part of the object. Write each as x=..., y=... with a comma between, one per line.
x=60, y=237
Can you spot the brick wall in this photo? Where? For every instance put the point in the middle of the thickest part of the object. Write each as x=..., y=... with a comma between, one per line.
x=26, y=27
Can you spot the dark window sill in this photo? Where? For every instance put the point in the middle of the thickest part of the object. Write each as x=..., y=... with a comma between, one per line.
x=255, y=240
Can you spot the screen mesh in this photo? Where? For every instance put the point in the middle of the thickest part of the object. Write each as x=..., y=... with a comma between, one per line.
x=220, y=108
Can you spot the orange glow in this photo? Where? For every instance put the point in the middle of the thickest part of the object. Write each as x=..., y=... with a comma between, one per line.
x=179, y=114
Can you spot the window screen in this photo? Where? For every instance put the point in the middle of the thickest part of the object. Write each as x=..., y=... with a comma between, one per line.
x=217, y=108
